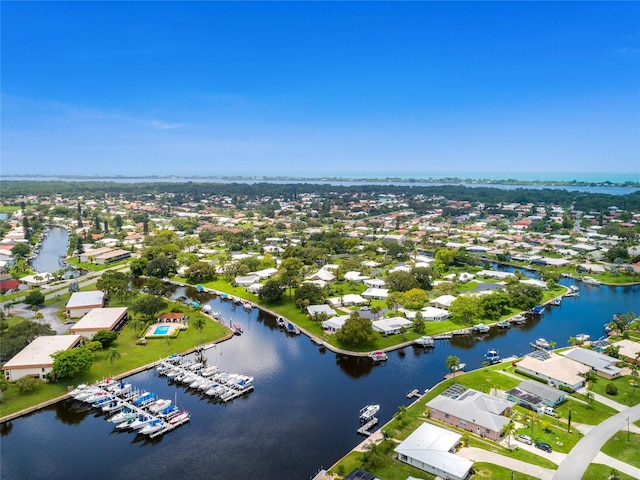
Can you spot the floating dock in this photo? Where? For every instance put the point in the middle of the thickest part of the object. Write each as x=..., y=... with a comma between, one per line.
x=366, y=428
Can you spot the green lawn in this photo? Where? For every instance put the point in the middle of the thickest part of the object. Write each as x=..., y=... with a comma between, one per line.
x=132, y=356
x=552, y=431
x=626, y=394
x=496, y=472
x=581, y=413
x=624, y=450
x=597, y=471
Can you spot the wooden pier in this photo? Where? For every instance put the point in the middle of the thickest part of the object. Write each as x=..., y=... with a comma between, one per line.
x=170, y=427
x=365, y=429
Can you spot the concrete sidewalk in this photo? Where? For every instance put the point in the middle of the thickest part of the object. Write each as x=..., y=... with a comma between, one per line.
x=623, y=467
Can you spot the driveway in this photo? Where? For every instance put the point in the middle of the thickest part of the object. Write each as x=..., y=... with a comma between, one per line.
x=480, y=455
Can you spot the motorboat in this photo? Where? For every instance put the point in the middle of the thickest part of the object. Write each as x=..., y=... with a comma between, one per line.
x=537, y=310
x=590, y=281
x=237, y=328
x=425, y=341
x=503, y=324
x=153, y=427
x=293, y=328
x=183, y=416
x=378, y=356
x=102, y=401
x=542, y=343
x=481, y=328
x=281, y=323
x=122, y=415
x=113, y=406
x=492, y=356
x=582, y=337
x=159, y=405
x=209, y=371
x=127, y=422
x=556, y=302
x=368, y=412
x=141, y=421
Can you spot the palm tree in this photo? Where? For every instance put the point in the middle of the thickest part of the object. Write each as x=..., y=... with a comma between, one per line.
x=453, y=363
x=199, y=323
x=113, y=354
x=508, y=430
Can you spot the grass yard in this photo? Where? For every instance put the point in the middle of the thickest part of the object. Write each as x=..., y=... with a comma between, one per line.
x=624, y=450
x=496, y=472
x=550, y=431
x=626, y=393
x=581, y=413
x=597, y=471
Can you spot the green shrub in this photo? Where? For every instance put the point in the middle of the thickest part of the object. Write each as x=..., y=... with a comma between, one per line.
x=532, y=377
x=611, y=389
x=564, y=388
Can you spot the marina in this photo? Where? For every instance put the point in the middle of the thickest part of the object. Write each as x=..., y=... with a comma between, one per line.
x=289, y=403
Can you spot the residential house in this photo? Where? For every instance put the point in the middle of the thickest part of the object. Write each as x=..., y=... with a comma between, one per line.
x=443, y=301
x=433, y=314
x=315, y=310
x=534, y=395
x=391, y=325
x=471, y=410
x=604, y=365
x=432, y=449
x=82, y=303
x=555, y=369
x=35, y=359
x=100, y=319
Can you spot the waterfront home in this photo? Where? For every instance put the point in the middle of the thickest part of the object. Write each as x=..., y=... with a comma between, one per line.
x=603, y=365
x=315, y=310
x=391, y=326
x=346, y=300
x=334, y=324
x=172, y=317
x=432, y=449
x=494, y=274
x=628, y=350
x=374, y=283
x=35, y=360
x=433, y=314
x=355, y=277
x=554, y=369
x=265, y=273
x=443, y=301
x=471, y=410
x=100, y=319
x=82, y=303
x=532, y=394
x=246, y=280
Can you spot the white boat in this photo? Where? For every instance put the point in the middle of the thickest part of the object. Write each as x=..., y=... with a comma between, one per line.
x=368, y=412
x=122, y=415
x=127, y=422
x=481, y=328
x=590, y=281
x=378, y=356
x=492, y=356
x=206, y=308
x=582, y=337
x=425, y=341
x=179, y=418
x=216, y=390
x=281, y=323
x=96, y=396
x=79, y=389
x=209, y=371
x=122, y=389
x=112, y=406
x=153, y=427
x=159, y=405
x=87, y=393
x=243, y=382
x=141, y=421
x=542, y=343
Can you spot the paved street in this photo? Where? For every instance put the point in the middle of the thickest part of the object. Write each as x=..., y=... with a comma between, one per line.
x=480, y=455
x=585, y=451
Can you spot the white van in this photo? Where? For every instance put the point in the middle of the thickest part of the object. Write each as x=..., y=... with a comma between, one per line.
x=547, y=411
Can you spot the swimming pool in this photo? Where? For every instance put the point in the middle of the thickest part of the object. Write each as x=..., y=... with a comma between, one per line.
x=162, y=330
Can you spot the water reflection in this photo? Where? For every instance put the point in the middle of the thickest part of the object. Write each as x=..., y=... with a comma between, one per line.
x=71, y=412
x=355, y=367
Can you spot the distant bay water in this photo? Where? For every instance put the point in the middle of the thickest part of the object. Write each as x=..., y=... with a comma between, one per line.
x=414, y=181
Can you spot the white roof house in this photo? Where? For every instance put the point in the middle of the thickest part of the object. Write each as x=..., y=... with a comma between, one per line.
x=430, y=448
x=35, y=360
x=335, y=323
x=314, y=310
x=81, y=302
x=355, y=277
x=246, y=280
x=555, y=369
x=100, y=319
x=374, y=283
x=433, y=314
x=380, y=293
x=348, y=299
x=266, y=273
x=322, y=274
x=391, y=326
x=443, y=301
x=255, y=288
x=604, y=365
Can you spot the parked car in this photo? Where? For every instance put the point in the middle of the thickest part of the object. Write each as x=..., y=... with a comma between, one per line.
x=524, y=439
x=548, y=411
x=545, y=447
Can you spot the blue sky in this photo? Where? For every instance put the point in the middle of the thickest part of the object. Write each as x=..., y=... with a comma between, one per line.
x=479, y=89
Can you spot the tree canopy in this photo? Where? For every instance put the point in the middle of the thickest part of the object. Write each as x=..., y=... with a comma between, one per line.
x=68, y=363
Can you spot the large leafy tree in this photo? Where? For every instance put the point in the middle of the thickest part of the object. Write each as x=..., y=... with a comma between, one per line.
x=465, y=308
x=401, y=281
x=271, y=291
x=18, y=336
x=311, y=292
x=415, y=298
x=423, y=276
x=149, y=305
x=105, y=337
x=201, y=272
x=112, y=282
x=494, y=306
x=356, y=332
x=34, y=297
x=524, y=296
x=161, y=266
x=68, y=363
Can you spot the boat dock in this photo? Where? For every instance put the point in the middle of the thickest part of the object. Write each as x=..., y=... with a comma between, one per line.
x=414, y=393
x=366, y=428
x=170, y=427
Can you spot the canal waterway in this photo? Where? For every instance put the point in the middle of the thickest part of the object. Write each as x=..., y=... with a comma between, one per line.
x=302, y=415
x=52, y=250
